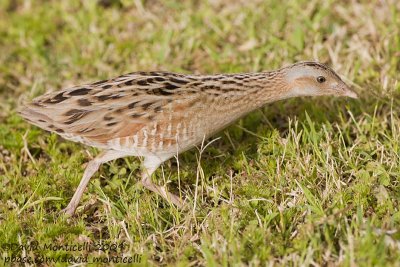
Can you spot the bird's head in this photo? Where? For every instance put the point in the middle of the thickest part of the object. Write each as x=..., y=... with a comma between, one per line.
x=314, y=79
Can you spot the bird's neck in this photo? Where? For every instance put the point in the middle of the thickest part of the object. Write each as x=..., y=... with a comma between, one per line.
x=253, y=90
x=233, y=96
x=268, y=87
x=230, y=97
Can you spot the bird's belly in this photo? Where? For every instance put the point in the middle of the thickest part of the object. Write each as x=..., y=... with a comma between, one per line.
x=160, y=147
x=157, y=137
x=171, y=136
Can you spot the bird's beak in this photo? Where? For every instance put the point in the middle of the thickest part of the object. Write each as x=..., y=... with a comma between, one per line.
x=349, y=93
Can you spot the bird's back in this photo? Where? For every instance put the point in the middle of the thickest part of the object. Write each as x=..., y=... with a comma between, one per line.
x=141, y=111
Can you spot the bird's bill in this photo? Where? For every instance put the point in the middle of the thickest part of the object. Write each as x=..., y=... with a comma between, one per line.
x=351, y=94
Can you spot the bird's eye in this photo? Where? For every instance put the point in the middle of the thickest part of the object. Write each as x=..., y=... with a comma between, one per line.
x=321, y=79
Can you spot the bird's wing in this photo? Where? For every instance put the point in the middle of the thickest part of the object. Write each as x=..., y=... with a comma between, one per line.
x=112, y=108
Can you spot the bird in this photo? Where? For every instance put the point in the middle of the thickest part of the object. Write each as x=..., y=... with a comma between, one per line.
x=156, y=115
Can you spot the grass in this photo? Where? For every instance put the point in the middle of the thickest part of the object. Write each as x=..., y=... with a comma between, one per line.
x=311, y=181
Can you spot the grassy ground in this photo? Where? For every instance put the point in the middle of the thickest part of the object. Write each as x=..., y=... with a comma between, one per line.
x=312, y=181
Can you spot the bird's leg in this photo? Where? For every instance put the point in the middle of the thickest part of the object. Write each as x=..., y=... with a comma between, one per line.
x=91, y=168
x=150, y=164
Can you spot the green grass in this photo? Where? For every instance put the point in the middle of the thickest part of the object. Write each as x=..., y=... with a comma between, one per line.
x=310, y=181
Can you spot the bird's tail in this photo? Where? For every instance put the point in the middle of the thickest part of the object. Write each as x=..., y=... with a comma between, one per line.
x=33, y=116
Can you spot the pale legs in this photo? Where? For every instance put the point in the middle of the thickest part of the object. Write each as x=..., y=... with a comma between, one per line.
x=91, y=168
x=150, y=164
